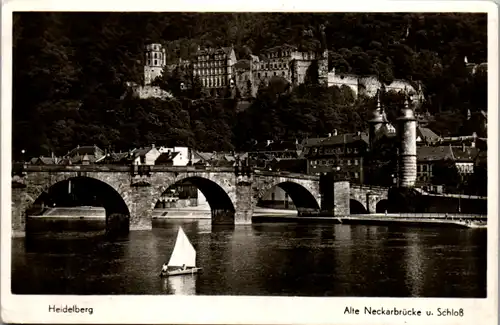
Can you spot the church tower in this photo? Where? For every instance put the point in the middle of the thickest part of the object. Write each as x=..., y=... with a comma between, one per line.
x=407, y=136
x=155, y=61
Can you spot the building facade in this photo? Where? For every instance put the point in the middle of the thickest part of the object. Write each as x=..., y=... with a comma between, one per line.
x=214, y=67
x=288, y=62
x=343, y=154
x=217, y=69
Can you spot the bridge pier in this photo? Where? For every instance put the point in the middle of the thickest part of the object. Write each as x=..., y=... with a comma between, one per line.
x=19, y=206
x=141, y=208
x=334, y=195
x=243, y=203
x=371, y=202
x=342, y=193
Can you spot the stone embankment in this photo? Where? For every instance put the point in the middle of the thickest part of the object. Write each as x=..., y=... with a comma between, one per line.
x=423, y=219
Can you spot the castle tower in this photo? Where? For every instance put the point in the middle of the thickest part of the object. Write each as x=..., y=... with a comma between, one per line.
x=376, y=122
x=407, y=135
x=154, y=62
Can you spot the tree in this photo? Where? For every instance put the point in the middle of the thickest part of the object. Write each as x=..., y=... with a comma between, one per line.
x=249, y=92
x=71, y=70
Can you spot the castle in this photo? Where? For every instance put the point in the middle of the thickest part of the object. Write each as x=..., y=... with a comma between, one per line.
x=370, y=85
x=218, y=69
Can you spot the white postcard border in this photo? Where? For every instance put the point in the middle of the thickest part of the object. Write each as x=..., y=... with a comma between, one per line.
x=244, y=309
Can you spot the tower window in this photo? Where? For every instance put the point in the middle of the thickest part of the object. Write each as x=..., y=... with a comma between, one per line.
x=149, y=62
x=156, y=62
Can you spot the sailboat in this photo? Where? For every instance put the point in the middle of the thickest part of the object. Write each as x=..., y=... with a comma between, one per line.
x=183, y=258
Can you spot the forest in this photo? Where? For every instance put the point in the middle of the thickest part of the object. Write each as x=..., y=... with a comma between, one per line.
x=70, y=72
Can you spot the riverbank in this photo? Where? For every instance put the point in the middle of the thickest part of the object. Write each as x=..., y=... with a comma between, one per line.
x=198, y=212
x=429, y=219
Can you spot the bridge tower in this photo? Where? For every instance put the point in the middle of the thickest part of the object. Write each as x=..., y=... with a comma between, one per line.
x=407, y=136
x=377, y=121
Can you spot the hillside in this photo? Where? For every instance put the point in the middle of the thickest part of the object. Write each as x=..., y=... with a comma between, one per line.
x=70, y=70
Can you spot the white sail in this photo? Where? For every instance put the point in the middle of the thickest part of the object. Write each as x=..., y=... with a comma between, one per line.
x=184, y=253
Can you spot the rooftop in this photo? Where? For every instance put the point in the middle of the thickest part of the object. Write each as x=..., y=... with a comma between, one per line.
x=434, y=153
x=345, y=139
x=89, y=150
x=427, y=135
x=166, y=158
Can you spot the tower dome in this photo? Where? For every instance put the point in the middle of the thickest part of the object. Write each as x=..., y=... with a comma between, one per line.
x=376, y=121
x=406, y=112
x=377, y=115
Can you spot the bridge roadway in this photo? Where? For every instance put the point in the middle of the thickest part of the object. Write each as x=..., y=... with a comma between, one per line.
x=133, y=191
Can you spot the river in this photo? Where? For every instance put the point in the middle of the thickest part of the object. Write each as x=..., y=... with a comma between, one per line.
x=278, y=259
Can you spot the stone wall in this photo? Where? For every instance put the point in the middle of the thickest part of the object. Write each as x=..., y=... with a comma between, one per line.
x=151, y=73
x=340, y=80
x=144, y=92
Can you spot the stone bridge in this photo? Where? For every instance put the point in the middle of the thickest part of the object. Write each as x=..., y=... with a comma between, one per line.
x=372, y=199
x=133, y=191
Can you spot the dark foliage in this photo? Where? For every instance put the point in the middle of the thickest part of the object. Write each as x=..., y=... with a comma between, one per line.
x=70, y=72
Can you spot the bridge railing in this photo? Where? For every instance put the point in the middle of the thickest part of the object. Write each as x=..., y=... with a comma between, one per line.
x=265, y=172
x=147, y=169
x=117, y=168
x=369, y=187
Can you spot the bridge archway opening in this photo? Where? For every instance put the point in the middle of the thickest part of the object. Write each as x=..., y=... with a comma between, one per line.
x=288, y=196
x=192, y=194
x=382, y=206
x=79, y=204
x=356, y=207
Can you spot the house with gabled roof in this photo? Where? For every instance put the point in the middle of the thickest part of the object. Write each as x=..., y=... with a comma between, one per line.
x=426, y=136
x=145, y=155
x=116, y=158
x=82, y=155
x=45, y=160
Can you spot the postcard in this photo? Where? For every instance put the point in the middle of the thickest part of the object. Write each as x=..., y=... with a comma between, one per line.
x=258, y=163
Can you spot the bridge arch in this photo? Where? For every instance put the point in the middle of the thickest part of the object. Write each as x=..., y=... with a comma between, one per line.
x=63, y=191
x=382, y=206
x=302, y=197
x=217, y=193
x=356, y=207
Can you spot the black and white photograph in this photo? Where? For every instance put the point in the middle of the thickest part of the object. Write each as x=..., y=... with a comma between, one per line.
x=251, y=153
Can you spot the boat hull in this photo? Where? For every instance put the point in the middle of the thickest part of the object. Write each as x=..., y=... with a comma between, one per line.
x=180, y=272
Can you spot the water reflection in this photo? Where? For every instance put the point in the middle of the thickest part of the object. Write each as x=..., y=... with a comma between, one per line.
x=260, y=259
x=415, y=264
x=184, y=285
